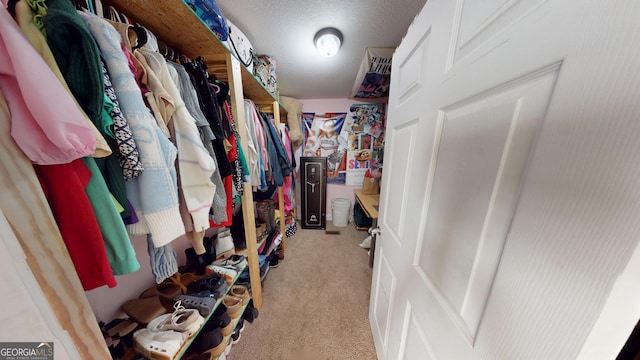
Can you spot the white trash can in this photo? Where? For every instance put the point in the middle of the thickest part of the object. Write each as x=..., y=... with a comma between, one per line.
x=340, y=208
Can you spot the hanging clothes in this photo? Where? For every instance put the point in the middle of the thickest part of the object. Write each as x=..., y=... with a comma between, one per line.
x=287, y=187
x=280, y=165
x=32, y=90
x=253, y=156
x=77, y=57
x=120, y=252
x=160, y=101
x=65, y=188
x=261, y=139
x=195, y=165
x=236, y=157
x=190, y=97
x=71, y=42
x=209, y=106
x=23, y=202
x=127, y=148
x=109, y=166
x=154, y=193
x=26, y=18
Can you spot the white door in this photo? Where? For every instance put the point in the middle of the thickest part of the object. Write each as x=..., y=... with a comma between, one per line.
x=510, y=197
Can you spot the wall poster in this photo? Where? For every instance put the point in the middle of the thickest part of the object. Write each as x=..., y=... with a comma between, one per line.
x=322, y=139
x=364, y=134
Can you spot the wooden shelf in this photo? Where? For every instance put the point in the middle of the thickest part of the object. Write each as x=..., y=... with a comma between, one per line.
x=131, y=353
x=178, y=26
x=173, y=22
x=187, y=344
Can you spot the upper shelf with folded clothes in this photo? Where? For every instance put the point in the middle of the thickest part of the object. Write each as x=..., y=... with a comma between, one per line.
x=179, y=27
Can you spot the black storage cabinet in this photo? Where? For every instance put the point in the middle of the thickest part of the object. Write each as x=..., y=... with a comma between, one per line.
x=313, y=191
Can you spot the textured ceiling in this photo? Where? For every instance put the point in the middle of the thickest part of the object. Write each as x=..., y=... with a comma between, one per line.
x=285, y=30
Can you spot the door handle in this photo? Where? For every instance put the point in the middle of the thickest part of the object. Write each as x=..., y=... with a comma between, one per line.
x=375, y=231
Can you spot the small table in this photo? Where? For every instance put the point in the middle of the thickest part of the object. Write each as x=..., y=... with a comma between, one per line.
x=369, y=204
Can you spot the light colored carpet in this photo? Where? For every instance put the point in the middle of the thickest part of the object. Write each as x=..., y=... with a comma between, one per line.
x=315, y=304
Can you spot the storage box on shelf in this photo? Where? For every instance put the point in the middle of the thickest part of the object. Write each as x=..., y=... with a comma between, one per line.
x=179, y=27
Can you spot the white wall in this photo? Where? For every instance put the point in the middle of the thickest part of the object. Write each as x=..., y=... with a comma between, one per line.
x=106, y=302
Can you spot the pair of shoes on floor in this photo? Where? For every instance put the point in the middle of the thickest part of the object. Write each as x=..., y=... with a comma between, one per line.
x=164, y=336
x=224, y=244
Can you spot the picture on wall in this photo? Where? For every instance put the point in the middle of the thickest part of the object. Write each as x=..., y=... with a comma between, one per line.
x=365, y=133
x=322, y=138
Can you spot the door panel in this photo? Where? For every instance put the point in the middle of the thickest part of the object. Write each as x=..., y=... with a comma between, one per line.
x=382, y=298
x=415, y=346
x=400, y=169
x=479, y=21
x=411, y=72
x=510, y=202
x=483, y=148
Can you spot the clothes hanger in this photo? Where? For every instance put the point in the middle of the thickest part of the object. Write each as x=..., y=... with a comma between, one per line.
x=176, y=56
x=113, y=14
x=163, y=49
x=141, y=36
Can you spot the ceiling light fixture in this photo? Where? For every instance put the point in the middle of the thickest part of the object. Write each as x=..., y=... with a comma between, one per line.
x=328, y=41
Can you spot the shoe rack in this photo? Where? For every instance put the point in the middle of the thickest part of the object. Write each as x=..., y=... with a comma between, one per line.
x=175, y=23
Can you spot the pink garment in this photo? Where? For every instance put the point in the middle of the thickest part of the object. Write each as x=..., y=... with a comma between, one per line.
x=261, y=137
x=46, y=123
x=286, y=188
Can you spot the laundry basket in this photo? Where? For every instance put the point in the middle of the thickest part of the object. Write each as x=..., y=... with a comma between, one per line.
x=340, y=211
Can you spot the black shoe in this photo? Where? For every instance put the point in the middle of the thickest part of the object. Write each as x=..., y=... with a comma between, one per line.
x=195, y=263
x=250, y=313
x=210, y=254
x=211, y=340
x=220, y=319
x=235, y=336
x=240, y=325
x=275, y=262
x=214, y=283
